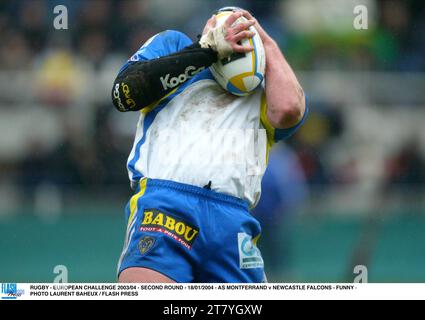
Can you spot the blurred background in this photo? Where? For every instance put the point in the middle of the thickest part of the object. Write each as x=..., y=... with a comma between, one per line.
x=347, y=190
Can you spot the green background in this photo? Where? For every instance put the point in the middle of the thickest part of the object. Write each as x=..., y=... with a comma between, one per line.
x=89, y=242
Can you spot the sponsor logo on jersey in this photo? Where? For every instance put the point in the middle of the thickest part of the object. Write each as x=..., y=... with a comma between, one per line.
x=179, y=230
x=249, y=254
x=145, y=244
x=128, y=100
x=169, y=83
x=118, y=98
x=126, y=90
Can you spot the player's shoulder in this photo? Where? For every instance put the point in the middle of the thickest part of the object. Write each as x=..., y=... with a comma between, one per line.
x=171, y=39
x=161, y=44
x=176, y=35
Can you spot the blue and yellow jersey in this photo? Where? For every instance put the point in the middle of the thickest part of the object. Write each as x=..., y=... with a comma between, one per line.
x=199, y=132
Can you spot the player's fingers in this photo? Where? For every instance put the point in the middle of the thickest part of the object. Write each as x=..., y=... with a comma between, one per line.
x=243, y=35
x=262, y=33
x=247, y=15
x=212, y=21
x=242, y=26
x=232, y=18
x=241, y=48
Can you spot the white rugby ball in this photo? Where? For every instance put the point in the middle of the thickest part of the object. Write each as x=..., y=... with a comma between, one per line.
x=241, y=73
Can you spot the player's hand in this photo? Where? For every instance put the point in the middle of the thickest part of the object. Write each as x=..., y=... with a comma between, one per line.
x=261, y=32
x=210, y=24
x=237, y=31
x=225, y=39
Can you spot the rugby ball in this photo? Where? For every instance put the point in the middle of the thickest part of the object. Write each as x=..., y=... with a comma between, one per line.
x=241, y=73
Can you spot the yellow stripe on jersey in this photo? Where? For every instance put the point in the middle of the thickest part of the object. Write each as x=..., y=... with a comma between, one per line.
x=154, y=104
x=270, y=130
x=134, y=199
x=255, y=240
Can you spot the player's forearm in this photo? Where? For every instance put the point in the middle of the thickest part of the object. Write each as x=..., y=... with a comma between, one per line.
x=145, y=82
x=285, y=96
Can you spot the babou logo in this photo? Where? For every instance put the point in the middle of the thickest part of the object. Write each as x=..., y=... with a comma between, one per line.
x=179, y=230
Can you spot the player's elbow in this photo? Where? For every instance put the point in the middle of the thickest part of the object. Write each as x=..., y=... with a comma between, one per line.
x=288, y=114
x=117, y=100
x=121, y=96
x=126, y=93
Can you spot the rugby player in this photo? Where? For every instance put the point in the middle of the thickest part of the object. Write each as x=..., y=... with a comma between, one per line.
x=199, y=154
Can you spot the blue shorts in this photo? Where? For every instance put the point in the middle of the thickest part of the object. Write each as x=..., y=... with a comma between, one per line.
x=191, y=234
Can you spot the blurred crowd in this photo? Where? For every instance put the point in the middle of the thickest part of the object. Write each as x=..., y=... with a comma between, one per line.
x=97, y=28
x=102, y=34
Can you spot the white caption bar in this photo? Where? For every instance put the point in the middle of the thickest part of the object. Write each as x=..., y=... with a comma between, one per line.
x=270, y=291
